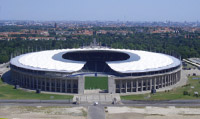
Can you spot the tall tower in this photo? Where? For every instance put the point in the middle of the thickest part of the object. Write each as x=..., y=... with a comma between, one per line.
x=55, y=25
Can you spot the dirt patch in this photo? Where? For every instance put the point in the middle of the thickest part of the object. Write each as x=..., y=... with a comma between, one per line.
x=143, y=116
x=39, y=112
x=152, y=113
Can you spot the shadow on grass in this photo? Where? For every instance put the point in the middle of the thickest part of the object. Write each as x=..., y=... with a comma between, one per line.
x=6, y=77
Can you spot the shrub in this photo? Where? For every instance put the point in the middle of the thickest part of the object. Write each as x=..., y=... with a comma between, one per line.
x=185, y=93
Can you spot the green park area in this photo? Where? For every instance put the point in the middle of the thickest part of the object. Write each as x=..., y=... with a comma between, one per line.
x=96, y=83
x=8, y=92
x=189, y=91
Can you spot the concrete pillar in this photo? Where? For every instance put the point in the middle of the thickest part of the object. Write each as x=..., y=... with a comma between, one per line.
x=154, y=84
x=72, y=86
x=120, y=87
x=27, y=81
x=45, y=84
x=136, y=85
x=150, y=84
x=146, y=84
x=158, y=80
x=50, y=84
x=32, y=82
x=25, y=78
x=36, y=82
x=55, y=85
x=39, y=83
x=20, y=80
x=131, y=85
x=176, y=77
x=125, y=86
x=171, y=79
x=168, y=80
x=24, y=81
x=78, y=87
x=30, y=79
x=141, y=84
x=60, y=85
x=111, y=85
x=162, y=80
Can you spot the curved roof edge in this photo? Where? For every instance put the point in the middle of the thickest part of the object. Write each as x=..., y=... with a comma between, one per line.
x=131, y=65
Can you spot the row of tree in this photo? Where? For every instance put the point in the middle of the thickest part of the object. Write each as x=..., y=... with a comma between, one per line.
x=151, y=42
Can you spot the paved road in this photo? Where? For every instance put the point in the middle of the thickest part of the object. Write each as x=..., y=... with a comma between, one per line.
x=96, y=112
x=91, y=108
x=134, y=104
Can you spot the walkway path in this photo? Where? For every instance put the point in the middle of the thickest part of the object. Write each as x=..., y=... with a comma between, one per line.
x=96, y=112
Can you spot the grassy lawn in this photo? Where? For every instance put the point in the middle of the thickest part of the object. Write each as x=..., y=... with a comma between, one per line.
x=96, y=83
x=192, y=86
x=8, y=92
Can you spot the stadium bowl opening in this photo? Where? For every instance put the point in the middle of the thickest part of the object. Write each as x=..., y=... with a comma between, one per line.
x=98, y=55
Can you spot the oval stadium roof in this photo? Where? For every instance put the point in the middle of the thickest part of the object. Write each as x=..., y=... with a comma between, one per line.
x=52, y=60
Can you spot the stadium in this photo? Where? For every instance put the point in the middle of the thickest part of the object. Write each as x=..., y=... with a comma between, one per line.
x=66, y=70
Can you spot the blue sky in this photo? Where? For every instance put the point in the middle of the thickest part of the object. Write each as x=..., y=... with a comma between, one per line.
x=122, y=10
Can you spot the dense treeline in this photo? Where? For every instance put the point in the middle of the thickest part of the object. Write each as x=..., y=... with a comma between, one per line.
x=19, y=28
x=140, y=41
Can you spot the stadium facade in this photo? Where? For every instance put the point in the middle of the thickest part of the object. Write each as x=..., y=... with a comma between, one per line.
x=64, y=70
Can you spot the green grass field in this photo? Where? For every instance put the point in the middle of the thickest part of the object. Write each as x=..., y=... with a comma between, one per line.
x=96, y=83
x=8, y=92
x=177, y=93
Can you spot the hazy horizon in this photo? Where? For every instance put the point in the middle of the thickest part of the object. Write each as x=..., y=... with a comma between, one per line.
x=93, y=10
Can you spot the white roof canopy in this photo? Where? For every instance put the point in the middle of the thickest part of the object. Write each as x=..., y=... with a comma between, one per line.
x=139, y=61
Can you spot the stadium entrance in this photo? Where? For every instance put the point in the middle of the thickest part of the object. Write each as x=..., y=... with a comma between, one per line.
x=96, y=84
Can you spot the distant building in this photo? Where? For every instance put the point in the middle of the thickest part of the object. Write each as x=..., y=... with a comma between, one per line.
x=55, y=26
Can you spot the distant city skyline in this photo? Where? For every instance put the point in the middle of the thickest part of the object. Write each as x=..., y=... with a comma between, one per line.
x=101, y=10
